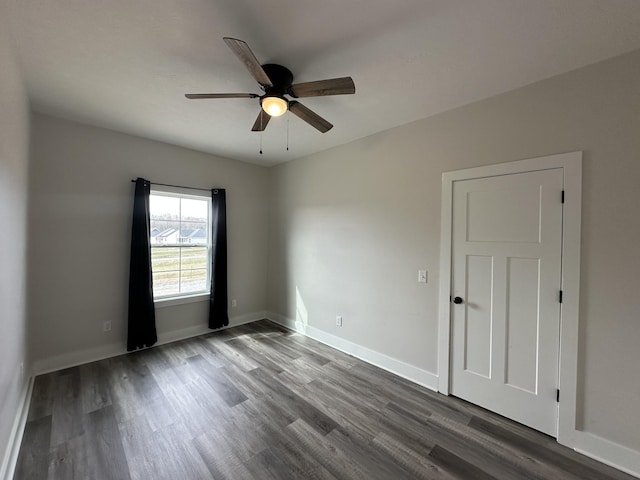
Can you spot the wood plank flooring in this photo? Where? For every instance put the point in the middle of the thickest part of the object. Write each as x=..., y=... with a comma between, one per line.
x=261, y=402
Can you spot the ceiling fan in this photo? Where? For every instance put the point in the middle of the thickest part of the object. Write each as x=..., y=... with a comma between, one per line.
x=277, y=81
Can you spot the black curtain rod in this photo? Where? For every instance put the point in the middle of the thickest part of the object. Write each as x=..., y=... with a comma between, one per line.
x=176, y=186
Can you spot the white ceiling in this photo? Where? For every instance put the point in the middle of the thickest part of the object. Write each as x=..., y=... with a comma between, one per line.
x=126, y=64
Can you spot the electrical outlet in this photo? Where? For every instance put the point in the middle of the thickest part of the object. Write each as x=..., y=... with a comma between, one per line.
x=339, y=321
x=234, y=303
x=106, y=326
x=422, y=276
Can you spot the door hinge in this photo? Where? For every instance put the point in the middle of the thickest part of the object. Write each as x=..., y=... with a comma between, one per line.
x=562, y=196
x=558, y=395
x=560, y=296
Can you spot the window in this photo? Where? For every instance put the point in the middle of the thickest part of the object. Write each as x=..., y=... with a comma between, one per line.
x=180, y=244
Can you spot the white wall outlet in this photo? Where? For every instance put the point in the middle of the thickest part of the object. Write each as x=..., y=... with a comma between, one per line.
x=339, y=321
x=234, y=303
x=106, y=326
x=422, y=276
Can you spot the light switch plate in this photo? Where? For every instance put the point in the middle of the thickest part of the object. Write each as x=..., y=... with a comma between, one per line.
x=422, y=276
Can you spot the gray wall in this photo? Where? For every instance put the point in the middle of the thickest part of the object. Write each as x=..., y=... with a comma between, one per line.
x=80, y=223
x=351, y=227
x=14, y=142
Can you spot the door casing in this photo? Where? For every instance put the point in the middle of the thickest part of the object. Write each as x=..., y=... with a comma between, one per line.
x=571, y=163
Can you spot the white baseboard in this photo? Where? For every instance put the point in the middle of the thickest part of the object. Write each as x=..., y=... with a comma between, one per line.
x=80, y=357
x=398, y=367
x=608, y=452
x=10, y=457
x=197, y=330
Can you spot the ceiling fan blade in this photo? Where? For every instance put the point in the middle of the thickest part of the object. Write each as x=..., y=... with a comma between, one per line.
x=261, y=122
x=309, y=116
x=246, y=56
x=319, y=88
x=195, y=96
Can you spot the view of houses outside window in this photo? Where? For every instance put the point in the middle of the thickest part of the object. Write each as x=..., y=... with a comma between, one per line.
x=180, y=244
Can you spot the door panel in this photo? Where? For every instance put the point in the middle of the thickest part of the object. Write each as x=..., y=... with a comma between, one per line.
x=506, y=254
x=503, y=214
x=478, y=320
x=522, y=322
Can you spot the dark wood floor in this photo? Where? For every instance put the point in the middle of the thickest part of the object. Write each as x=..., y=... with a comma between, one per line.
x=260, y=402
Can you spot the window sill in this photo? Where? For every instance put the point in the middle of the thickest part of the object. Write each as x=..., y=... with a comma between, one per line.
x=170, y=302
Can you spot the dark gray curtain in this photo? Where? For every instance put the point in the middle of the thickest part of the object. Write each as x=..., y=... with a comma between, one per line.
x=218, y=313
x=142, y=317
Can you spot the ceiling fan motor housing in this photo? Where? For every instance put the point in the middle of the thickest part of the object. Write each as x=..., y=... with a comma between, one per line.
x=281, y=78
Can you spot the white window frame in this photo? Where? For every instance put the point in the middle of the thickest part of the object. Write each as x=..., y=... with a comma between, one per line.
x=188, y=297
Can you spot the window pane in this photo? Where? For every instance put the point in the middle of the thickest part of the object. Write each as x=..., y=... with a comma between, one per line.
x=164, y=208
x=193, y=233
x=166, y=283
x=165, y=232
x=180, y=236
x=195, y=210
x=193, y=280
x=165, y=258
x=194, y=257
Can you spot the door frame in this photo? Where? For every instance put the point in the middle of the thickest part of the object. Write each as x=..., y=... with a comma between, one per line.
x=571, y=164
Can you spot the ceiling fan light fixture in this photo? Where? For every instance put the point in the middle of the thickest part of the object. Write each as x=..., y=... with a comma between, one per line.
x=275, y=106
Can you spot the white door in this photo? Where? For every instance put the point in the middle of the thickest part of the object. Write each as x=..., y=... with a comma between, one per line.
x=506, y=274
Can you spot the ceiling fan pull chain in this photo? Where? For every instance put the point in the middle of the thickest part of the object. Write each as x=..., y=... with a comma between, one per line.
x=288, y=117
x=261, y=132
